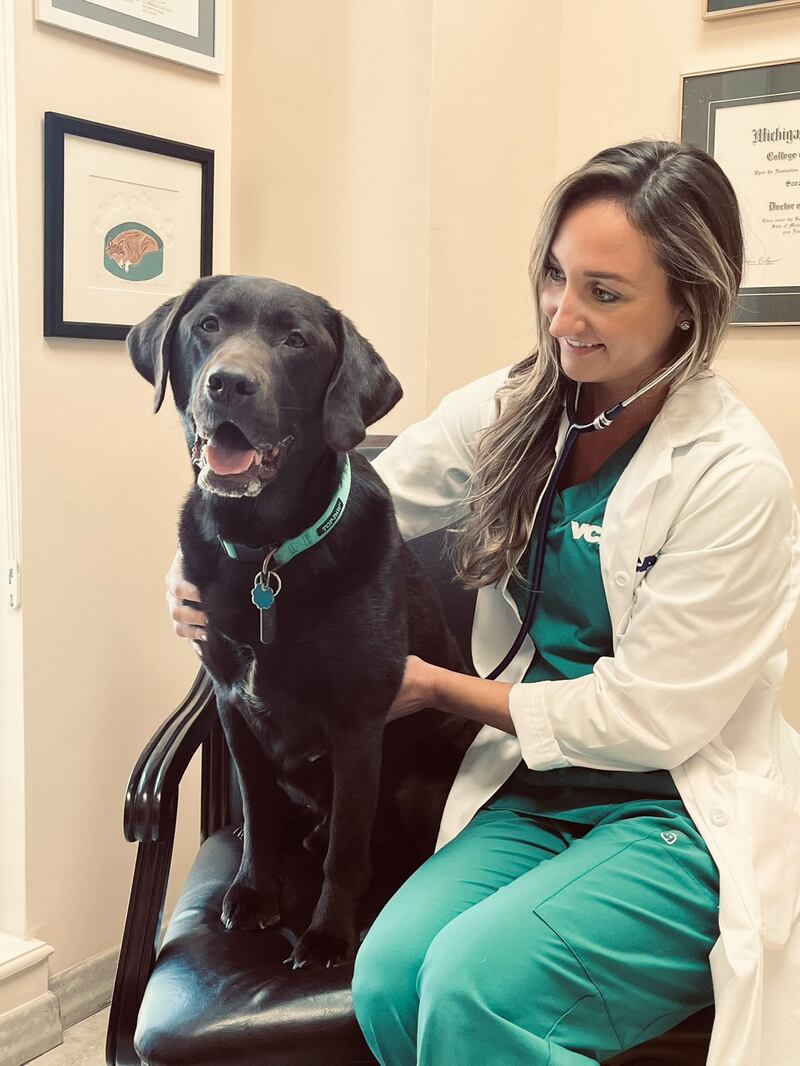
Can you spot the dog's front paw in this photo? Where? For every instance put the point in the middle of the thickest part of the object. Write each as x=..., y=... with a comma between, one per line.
x=245, y=907
x=319, y=947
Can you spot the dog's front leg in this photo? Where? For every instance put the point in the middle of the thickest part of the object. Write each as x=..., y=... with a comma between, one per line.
x=332, y=936
x=252, y=900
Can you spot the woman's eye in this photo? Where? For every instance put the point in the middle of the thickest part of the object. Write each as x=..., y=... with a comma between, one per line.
x=296, y=340
x=549, y=271
x=600, y=293
x=210, y=324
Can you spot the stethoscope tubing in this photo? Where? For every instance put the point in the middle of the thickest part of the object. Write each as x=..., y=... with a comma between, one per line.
x=540, y=522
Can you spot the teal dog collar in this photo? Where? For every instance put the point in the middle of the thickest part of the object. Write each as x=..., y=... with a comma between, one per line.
x=307, y=539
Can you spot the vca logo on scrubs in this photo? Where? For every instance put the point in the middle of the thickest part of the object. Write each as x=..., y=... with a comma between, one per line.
x=583, y=531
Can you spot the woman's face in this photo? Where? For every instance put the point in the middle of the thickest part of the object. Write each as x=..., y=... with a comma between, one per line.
x=603, y=287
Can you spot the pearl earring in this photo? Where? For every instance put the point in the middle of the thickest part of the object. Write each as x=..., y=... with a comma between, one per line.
x=686, y=325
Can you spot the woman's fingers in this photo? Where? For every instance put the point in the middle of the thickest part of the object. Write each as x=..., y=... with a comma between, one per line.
x=188, y=619
x=185, y=603
x=185, y=590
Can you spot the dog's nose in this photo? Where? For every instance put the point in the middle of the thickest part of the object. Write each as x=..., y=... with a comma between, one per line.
x=226, y=383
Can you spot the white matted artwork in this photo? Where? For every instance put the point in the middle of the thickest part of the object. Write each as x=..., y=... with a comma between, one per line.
x=128, y=224
x=766, y=177
x=130, y=234
x=185, y=31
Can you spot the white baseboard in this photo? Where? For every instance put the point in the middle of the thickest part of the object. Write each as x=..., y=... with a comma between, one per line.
x=29, y=1020
x=30, y=1030
x=86, y=988
x=23, y=971
x=38, y=1025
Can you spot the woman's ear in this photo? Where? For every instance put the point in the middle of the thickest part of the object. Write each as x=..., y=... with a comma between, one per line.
x=683, y=314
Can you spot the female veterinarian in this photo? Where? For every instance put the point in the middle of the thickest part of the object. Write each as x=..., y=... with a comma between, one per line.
x=621, y=846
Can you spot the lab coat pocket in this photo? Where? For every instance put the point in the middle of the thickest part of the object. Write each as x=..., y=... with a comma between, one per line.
x=770, y=813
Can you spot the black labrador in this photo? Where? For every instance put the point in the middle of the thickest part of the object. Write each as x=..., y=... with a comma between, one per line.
x=275, y=388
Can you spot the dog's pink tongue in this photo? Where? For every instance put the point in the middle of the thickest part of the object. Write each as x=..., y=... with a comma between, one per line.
x=224, y=460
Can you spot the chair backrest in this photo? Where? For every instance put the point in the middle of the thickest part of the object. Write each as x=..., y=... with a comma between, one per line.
x=458, y=603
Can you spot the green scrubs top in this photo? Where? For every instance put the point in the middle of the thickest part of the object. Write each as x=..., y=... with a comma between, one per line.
x=571, y=630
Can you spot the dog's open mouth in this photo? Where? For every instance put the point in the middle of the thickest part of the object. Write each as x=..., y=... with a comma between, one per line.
x=230, y=465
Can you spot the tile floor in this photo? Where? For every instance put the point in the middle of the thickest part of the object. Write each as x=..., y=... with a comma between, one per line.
x=84, y=1044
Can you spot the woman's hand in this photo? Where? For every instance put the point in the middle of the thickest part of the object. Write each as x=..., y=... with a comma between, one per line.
x=184, y=602
x=416, y=689
x=426, y=685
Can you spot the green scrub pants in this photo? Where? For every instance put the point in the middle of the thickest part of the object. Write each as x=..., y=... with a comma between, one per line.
x=543, y=941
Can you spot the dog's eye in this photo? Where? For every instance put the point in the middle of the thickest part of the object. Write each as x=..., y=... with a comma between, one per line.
x=210, y=324
x=295, y=340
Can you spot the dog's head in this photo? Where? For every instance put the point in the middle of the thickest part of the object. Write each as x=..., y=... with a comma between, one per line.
x=258, y=369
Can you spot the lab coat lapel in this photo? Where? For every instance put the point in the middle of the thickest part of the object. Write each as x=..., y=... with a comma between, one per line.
x=625, y=521
x=692, y=411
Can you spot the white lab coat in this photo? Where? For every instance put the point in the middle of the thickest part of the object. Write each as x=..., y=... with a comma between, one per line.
x=699, y=655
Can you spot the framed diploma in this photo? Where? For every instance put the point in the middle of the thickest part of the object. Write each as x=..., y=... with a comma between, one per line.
x=720, y=9
x=128, y=222
x=748, y=119
x=185, y=31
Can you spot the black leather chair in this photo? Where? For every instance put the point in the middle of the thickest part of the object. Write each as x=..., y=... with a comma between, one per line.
x=212, y=997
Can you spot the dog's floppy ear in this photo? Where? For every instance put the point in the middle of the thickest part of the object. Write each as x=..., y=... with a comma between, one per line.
x=149, y=341
x=361, y=390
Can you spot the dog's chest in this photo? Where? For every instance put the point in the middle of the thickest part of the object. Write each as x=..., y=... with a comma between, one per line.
x=284, y=719
x=289, y=731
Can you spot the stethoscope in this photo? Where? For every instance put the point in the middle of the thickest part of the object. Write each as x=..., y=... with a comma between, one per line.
x=542, y=518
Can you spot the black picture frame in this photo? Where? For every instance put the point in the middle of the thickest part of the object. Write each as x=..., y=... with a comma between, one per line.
x=56, y=128
x=702, y=95
x=720, y=9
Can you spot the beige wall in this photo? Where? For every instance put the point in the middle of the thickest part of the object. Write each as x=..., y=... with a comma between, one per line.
x=331, y=143
x=495, y=116
x=391, y=156
x=102, y=480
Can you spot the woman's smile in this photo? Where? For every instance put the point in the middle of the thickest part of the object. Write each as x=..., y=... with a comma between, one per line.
x=577, y=346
